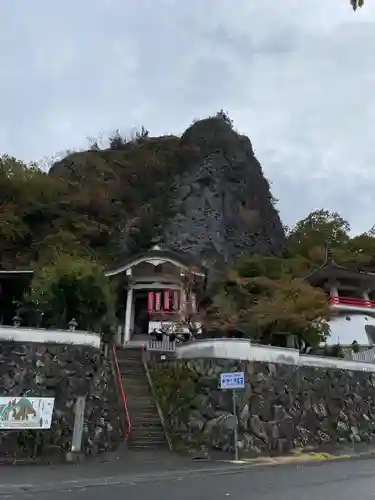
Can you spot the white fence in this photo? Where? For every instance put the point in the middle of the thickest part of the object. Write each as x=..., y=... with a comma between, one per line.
x=165, y=345
x=367, y=356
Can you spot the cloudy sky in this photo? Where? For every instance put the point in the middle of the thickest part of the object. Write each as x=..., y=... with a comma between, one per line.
x=296, y=76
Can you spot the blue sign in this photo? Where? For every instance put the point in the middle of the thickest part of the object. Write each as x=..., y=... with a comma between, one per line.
x=233, y=380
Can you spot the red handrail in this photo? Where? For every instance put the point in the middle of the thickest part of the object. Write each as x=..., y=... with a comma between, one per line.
x=352, y=301
x=123, y=396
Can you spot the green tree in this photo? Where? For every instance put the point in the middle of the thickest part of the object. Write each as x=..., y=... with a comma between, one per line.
x=72, y=287
x=266, y=302
x=315, y=231
x=356, y=3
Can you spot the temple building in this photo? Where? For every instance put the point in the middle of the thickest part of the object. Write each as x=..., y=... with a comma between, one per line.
x=157, y=288
x=351, y=297
x=160, y=289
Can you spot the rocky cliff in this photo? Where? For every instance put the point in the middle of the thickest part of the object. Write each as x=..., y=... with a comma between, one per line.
x=222, y=202
x=203, y=193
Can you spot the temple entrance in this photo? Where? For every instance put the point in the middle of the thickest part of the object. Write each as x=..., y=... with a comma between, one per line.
x=141, y=315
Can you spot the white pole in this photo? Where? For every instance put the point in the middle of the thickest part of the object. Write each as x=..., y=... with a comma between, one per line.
x=128, y=314
x=236, y=426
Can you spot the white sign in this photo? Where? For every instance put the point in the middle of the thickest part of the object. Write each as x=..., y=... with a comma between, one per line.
x=26, y=413
x=233, y=380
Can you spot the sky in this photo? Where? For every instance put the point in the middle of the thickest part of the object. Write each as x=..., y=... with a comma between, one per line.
x=296, y=76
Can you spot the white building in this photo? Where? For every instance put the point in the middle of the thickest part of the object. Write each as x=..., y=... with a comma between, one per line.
x=350, y=294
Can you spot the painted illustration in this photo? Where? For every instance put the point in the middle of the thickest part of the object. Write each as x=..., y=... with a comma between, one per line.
x=25, y=412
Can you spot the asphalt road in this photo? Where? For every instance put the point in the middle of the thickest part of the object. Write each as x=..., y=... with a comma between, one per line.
x=338, y=480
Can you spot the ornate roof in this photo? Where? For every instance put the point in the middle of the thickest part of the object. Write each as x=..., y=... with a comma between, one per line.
x=330, y=270
x=158, y=254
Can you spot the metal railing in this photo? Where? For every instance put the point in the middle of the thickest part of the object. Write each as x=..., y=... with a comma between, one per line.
x=352, y=302
x=122, y=392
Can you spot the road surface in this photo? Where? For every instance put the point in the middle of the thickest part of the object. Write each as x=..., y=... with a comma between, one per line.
x=336, y=480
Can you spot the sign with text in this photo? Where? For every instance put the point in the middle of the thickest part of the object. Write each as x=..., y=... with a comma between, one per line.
x=232, y=380
x=26, y=413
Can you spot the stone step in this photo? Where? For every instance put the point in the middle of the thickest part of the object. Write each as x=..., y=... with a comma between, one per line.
x=131, y=381
x=146, y=426
x=150, y=433
x=142, y=409
x=138, y=395
x=144, y=423
x=138, y=379
x=130, y=362
x=131, y=359
x=134, y=384
x=139, y=407
x=132, y=369
x=148, y=446
x=136, y=389
x=140, y=416
x=126, y=374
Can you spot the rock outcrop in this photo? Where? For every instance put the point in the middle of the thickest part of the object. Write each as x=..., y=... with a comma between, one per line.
x=222, y=202
x=203, y=193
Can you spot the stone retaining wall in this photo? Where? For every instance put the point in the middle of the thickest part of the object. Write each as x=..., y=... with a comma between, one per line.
x=282, y=407
x=63, y=372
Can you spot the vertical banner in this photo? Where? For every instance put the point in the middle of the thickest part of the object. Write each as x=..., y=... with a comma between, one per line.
x=176, y=296
x=193, y=303
x=166, y=300
x=157, y=301
x=150, y=302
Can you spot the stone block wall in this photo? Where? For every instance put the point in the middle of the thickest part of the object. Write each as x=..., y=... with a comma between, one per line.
x=63, y=372
x=282, y=406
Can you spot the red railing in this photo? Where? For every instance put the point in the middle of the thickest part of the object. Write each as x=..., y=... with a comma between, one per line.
x=123, y=396
x=352, y=301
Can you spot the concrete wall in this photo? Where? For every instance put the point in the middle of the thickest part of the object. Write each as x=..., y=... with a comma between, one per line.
x=243, y=349
x=41, y=335
x=283, y=406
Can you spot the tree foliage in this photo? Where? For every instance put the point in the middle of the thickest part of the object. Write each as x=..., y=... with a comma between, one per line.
x=309, y=238
x=113, y=201
x=317, y=229
x=71, y=287
x=267, y=303
x=357, y=3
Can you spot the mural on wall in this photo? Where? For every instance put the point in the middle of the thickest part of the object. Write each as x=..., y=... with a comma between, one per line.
x=26, y=413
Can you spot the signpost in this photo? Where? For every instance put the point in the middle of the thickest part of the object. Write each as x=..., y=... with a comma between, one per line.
x=233, y=381
x=79, y=418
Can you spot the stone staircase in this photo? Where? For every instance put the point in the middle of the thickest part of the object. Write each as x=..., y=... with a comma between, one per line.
x=146, y=429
